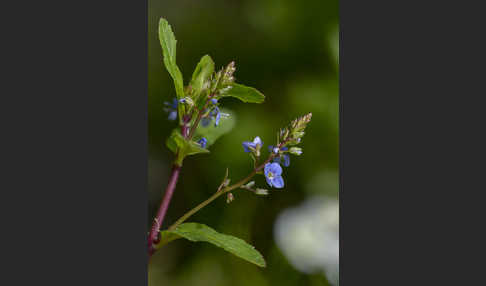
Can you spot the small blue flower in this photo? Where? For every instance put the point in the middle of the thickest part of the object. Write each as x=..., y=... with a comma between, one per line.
x=286, y=160
x=217, y=114
x=205, y=121
x=273, y=175
x=203, y=141
x=253, y=146
x=214, y=101
x=171, y=108
x=218, y=117
x=172, y=115
x=273, y=149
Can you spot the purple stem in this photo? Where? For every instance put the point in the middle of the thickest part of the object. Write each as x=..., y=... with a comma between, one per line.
x=154, y=232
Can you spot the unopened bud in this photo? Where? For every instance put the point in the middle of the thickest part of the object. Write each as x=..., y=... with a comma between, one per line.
x=295, y=150
x=226, y=182
x=229, y=198
x=261, y=192
x=250, y=184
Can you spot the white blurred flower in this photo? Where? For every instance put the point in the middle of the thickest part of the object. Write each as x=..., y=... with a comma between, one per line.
x=308, y=235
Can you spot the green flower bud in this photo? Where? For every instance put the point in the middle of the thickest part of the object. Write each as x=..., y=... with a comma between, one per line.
x=295, y=150
x=261, y=192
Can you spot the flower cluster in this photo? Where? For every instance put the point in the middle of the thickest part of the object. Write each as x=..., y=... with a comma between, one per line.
x=287, y=140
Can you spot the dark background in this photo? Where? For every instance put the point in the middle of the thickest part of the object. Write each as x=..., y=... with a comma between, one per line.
x=289, y=51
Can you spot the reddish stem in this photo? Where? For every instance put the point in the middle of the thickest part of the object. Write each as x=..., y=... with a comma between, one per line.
x=199, y=117
x=154, y=232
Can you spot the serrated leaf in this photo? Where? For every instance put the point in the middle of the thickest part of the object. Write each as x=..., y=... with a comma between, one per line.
x=245, y=93
x=200, y=232
x=201, y=74
x=168, y=43
x=212, y=133
x=182, y=147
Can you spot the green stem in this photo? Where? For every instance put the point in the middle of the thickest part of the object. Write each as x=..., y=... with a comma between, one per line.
x=219, y=193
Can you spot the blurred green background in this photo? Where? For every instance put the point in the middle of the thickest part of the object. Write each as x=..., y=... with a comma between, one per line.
x=288, y=50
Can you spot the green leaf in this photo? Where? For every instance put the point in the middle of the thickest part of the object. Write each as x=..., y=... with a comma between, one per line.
x=168, y=43
x=200, y=232
x=182, y=147
x=201, y=74
x=212, y=133
x=245, y=93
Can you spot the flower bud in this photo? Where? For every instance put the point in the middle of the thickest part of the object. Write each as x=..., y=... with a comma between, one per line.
x=295, y=150
x=226, y=182
x=229, y=198
x=250, y=184
x=261, y=192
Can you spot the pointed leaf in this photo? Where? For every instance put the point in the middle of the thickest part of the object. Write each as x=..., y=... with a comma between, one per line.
x=168, y=43
x=201, y=232
x=245, y=93
x=201, y=74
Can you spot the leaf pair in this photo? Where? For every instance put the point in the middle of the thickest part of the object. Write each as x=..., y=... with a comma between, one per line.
x=200, y=232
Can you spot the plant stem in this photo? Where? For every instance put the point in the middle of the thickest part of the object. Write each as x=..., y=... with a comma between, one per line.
x=219, y=193
x=154, y=232
x=198, y=118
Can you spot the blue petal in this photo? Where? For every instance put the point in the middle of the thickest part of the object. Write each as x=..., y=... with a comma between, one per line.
x=286, y=160
x=218, y=117
x=245, y=146
x=278, y=182
x=275, y=169
x=267, y=168
x=203, y=141
x=269, y=182
x=284, y=148
x=205, y=121
x=174, y=103
x=172, y=115
x=214, y=100
x=258, y=141
x=270, y=148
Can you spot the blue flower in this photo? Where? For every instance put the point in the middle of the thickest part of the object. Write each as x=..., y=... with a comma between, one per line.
x=273, y=174
x=203, y=141
x=253, y=146
x=205, y=121
x=171, y=108
x=214, y=101
x=217, y=114
x=286, y=160
x=273, y=149
x=172, y=115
